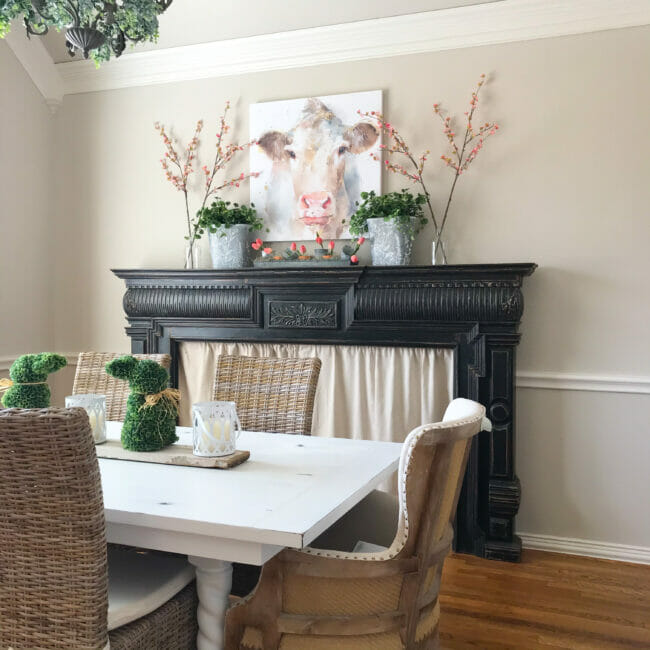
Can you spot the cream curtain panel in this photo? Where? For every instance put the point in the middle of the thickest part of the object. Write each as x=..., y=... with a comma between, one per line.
x=365, y=392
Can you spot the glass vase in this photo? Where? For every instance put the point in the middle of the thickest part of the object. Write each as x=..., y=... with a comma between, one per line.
x=191, y=256
x=438, y=251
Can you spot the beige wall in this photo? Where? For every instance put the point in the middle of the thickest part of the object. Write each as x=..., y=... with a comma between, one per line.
x=27, y=221
x=564, y=184
x=26, y=212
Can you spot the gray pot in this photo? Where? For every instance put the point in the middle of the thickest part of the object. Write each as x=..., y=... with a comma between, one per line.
x=230, y=247
x=389, y=246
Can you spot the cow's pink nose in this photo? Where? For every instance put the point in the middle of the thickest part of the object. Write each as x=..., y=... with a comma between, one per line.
x=318, y=200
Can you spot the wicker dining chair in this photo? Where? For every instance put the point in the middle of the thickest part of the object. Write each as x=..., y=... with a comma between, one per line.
x=274, y=395
x=54, y=588
x=316, y=599
x=91, y=377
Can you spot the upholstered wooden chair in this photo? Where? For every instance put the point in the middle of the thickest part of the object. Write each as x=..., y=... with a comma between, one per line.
x=316, y=599
x=91, y=377
x=275, y=395
x=55, y=589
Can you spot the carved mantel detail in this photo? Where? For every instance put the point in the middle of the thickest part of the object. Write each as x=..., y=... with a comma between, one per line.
x=474, y=309
x=292, y=314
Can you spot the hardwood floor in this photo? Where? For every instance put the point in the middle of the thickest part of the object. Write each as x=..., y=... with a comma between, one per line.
x=548, y=601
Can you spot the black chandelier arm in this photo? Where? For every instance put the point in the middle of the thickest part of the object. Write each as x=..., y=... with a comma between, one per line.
x=35, y=28
x=86, y=33
x=118, y=43
x=72, y=11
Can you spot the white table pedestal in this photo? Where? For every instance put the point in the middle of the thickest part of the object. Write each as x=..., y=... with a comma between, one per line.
x=213, y=584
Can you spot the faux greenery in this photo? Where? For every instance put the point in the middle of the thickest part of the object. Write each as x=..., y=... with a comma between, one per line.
x=399, y=207
x=224, y=214
x=29, y=374
x=146, y=428
x=138, y=19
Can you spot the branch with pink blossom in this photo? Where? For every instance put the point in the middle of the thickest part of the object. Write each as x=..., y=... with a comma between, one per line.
x=463, y=151
x=179, y=167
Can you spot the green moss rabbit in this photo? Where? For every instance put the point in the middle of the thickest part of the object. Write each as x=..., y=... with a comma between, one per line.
x=150, y=421
x=29, y=376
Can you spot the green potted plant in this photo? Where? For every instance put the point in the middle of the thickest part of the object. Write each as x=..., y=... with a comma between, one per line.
x=229, y=226
x=391, y=221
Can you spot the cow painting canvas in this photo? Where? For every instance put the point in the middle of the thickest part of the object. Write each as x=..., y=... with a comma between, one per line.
x=313, y=158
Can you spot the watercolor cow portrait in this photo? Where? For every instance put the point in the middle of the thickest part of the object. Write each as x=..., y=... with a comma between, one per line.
x=312, y=163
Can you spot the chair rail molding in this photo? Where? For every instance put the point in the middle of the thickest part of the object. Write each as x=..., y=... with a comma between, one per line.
x=599, y=383
x=584, y=382
x=431, y=31
x=7, y=359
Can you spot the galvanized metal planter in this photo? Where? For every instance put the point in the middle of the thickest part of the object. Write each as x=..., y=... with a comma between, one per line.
x=389, y=245
x=230, y=247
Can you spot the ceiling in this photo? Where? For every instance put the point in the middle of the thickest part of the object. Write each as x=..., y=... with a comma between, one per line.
x=188, y=22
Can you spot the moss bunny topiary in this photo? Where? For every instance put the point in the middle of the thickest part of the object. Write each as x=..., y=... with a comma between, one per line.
x=28, y=387
x=152, y=408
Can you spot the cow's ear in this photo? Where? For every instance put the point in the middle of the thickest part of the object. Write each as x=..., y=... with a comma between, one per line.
x=361, y=136
x=273, y=144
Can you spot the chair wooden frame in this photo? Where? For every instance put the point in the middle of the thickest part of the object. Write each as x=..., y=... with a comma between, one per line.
x=317, y=598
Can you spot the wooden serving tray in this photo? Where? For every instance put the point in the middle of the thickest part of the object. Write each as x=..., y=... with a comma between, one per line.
x=172, y=455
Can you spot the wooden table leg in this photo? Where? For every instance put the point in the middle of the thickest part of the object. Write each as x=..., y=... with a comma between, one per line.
x=213, y=583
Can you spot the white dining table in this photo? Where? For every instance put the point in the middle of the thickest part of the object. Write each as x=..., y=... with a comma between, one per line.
x=290, y=490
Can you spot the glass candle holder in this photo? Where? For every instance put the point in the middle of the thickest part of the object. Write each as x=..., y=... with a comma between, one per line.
x=215, y=428
x=95, y=406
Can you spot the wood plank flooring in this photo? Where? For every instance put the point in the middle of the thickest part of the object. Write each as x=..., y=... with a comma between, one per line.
x=547, y=601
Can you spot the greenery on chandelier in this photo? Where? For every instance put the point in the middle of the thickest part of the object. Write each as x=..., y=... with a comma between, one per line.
x=223, y=214
x=118, y=22
x=28, y=387
x=399, y=207
x=151, y=409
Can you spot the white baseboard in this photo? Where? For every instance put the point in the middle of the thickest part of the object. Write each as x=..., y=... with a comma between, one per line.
x=589, y=548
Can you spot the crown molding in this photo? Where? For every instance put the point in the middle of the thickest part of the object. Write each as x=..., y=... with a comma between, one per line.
x=591, y=382
x=33, y=56
x=586, y=547
x=467, y=26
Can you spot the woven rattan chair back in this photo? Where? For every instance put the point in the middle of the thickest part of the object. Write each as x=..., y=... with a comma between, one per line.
x=315, y=599
x=53, y=586
x=91, y=377
x=275, y=395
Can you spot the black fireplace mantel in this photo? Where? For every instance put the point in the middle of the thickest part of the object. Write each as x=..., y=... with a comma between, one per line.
x=473, y=309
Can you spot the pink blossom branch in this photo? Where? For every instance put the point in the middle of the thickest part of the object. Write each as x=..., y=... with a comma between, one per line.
x=459, y=158
x=185, y=165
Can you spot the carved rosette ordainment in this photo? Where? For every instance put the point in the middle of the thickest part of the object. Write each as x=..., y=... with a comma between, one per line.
x=473, y=309
x=317, y=315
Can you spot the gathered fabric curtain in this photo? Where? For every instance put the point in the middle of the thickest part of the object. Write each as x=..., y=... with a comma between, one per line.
x=364, y=392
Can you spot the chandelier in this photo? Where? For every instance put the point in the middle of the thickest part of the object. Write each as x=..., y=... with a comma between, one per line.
x=97, y=28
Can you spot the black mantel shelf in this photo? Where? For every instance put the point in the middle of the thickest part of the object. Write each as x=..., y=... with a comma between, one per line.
x=474, y=309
